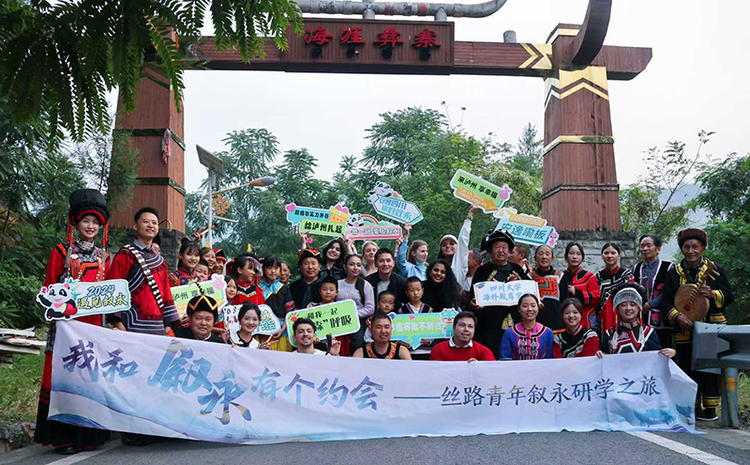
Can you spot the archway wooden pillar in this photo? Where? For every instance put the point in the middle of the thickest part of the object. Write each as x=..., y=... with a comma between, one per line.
x=154, y=126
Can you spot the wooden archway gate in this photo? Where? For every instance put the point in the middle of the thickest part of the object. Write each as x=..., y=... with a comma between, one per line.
x=580, y=189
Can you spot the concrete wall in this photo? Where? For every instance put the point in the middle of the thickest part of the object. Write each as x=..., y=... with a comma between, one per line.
x=592, y=242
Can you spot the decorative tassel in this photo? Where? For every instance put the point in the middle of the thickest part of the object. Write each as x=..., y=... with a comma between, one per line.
x=106, y=236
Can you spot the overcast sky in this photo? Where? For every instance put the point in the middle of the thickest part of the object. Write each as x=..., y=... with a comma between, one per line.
x=696, y=80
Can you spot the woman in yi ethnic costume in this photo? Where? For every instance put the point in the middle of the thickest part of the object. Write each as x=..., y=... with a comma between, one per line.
x=78, y=259
x=629, y=334
x=611, y=277
x=575, y=340
x=278, y=297
x=582, y=284
x=529, y=339
x=552, y=286
x=712, y=284
x=245, y=270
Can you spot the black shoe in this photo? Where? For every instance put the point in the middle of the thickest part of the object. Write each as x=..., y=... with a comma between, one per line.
x=706, y=414
x=66, y=450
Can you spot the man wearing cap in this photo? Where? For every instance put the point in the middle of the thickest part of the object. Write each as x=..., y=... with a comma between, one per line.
x=499, y=245
x=715, y=287
x=152, y=306
x=307, y=288
x=202, y=311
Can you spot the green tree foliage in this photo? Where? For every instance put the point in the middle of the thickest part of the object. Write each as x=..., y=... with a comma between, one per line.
x=726, y=194
x=61, y=58
x=648, y=206
x=415, y=150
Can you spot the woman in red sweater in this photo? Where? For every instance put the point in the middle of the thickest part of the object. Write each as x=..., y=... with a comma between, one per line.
x=582, y=284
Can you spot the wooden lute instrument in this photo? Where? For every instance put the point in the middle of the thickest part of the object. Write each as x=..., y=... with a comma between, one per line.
x=689, y=302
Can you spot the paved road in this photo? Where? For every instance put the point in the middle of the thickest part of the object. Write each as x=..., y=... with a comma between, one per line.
x=716, y=447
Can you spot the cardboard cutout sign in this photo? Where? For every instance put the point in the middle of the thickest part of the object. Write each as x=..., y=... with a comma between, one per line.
x=496, y=293
x=73, y=299
x=366, y=227
x=336, y=319
x=477, y=191
x=412, y=328
x=268, y=325
x=331, y=222
x=214, y=288
x=391, y=204
x=528, y=229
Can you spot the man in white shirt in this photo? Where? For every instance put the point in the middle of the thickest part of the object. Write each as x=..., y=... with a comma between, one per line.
x=303, y=333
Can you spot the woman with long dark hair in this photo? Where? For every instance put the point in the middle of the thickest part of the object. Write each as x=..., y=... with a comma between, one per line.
x=582, y=284
x=333, y=259
x=354, y=287
x=440, y=288
x=611, y=277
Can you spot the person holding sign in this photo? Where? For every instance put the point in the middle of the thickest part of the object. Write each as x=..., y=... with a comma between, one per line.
x=582, y=284
x=304, y=336
x=708, y=284
x=575, y=341
x=202, y=310
x=78, y=259
x=529, y=339
x=499, y=244
x=461, y=347
x=411, y=259
x=249, y=318
x=381, y=346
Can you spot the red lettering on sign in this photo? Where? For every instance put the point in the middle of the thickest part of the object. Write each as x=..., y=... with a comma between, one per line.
x=389, y=37
x=426, y=39
x=351, y=35
x=318, y=36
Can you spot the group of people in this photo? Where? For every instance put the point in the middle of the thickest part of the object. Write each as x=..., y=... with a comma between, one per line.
x=613, y=311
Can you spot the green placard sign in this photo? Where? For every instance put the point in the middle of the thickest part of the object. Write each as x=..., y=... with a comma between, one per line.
x=476, y=191
x=414, y=327
x=214, y=288
x=336, y=319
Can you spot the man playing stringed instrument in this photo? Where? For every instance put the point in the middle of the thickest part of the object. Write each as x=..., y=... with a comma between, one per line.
x=697, y=289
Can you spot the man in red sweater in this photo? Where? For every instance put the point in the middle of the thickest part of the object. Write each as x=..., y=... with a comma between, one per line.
x=461, y=347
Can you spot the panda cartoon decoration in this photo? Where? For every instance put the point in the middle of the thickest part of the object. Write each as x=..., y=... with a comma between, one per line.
x=381, y=189
x=58, y=300
x=355, y=221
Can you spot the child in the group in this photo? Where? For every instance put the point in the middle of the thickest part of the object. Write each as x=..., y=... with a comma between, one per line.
x=201, y=270
x=527, y=340
x=415, y=291
x=629, y=335
x=245, y=269
x=329, y=289
x=412, y=260
x=231, y=290
x=386, y=302
x=188, y=257
x=574, y=340
x=277, y=296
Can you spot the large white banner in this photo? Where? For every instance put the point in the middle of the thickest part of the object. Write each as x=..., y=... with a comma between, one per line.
x=212, y=392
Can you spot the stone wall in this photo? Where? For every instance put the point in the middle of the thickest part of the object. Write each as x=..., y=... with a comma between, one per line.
x=592, y=242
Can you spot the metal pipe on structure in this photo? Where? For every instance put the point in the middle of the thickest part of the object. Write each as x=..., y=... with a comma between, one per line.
x=368, y=10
